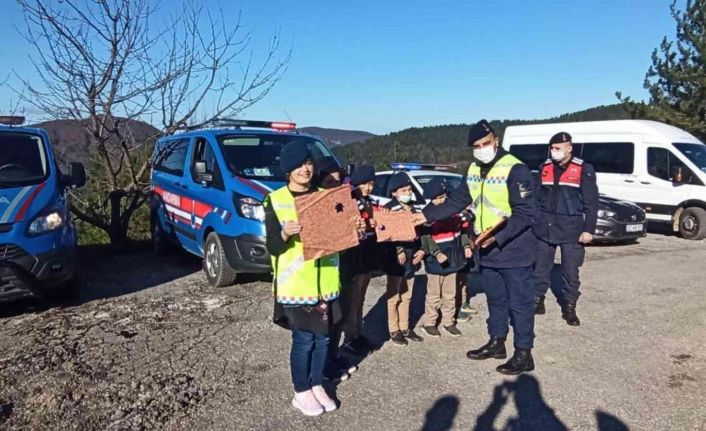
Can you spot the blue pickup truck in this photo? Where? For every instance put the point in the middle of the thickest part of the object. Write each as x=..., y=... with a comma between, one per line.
x=37, y=236
x=208, y=186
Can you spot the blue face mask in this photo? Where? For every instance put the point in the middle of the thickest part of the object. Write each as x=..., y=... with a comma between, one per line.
x=405, y=199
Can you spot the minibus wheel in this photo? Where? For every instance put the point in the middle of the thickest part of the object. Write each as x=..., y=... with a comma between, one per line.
x=218, y=271
x=692, y=223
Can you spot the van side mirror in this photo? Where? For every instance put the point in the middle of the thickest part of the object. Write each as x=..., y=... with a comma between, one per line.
x=201, y=175
x=77, y=175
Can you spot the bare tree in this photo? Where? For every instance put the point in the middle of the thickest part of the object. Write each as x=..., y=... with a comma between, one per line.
x=106, y=64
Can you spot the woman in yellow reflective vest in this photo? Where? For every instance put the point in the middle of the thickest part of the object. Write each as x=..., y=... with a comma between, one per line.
x=306, y=292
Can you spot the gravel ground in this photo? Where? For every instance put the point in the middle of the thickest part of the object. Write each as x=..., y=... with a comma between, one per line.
x=151, y=346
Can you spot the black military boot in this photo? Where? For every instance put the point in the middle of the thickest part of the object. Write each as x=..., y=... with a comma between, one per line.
x=495, y=348
x=569, y=314
x=520, y=362
x=539, y=305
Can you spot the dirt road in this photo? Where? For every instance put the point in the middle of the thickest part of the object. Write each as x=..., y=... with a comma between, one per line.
x=151, y=346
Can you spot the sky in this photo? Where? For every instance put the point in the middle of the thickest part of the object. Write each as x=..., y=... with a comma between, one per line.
x=382, y=66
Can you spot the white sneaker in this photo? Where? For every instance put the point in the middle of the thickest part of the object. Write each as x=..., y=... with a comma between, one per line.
x=322, y=397
x=306, y=403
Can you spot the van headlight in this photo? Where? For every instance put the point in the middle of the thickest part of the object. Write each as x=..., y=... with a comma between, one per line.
x=46, y=223
x=606, y=213
x=251, y=208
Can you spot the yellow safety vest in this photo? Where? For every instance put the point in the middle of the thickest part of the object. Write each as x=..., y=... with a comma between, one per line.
x=491, y=199
x=299, y=281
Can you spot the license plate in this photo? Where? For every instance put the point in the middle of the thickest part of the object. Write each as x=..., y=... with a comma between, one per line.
x=633, y=228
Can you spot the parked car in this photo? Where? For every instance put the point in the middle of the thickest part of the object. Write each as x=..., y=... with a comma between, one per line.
x=37, y=237
x=207, y=191
x=617, y=220
x=660, y=167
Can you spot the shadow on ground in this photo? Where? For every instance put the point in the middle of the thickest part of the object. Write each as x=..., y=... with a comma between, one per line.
x=109, y=273
x=532, y=411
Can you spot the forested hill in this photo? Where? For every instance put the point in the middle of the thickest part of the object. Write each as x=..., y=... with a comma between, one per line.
x=447, y=143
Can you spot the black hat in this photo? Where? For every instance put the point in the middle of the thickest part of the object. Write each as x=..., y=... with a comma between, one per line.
x=362, y=174
x=478, y=131
x=398, y=180
x=293, y=155
x=559, y=138
x=434, y=188
x=328, y=165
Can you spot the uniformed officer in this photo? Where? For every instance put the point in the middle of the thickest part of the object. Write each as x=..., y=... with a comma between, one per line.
x=500, y=186
x=567, y=197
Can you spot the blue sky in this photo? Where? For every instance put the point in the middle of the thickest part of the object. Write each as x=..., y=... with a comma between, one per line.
x=386, y=65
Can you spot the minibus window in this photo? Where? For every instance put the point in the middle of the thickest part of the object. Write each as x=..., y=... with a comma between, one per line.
x=696, y=153
x=663, y=164
x=22, y=160
x=608, y=157
x=257, y=156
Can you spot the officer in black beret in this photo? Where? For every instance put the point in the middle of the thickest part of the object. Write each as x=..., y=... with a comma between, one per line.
x=567, y=197
x=499, y=187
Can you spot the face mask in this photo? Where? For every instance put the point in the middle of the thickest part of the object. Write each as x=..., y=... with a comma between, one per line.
x=484, y=154
x=558, y=155
x=405, y=199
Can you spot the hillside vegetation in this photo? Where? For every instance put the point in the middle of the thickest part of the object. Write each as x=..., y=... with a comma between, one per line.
x=447, y=143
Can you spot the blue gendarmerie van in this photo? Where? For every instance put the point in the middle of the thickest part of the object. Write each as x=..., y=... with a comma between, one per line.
x=208, y=186
x=37, y=237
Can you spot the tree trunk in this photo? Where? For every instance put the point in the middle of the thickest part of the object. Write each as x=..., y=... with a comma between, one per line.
x=118, y=235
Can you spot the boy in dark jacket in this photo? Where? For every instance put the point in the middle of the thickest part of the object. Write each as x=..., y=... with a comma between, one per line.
x=446, y=248
x=363, y=181
x=400, y=261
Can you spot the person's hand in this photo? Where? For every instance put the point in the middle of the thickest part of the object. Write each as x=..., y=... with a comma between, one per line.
x=585, y=238
x=418, y=256
x=401, y=258
x=290, y=228
x=384, y=210
x=441, y=257
x=468, y=252
x=419, y=218
x=360, y=224
x=488, y=242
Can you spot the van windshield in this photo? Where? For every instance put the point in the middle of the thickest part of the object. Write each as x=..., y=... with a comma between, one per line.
x=257, y=156
x=22, y=159
x=696, y=153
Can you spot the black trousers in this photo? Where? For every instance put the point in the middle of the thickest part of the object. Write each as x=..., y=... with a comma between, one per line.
x=572, y=257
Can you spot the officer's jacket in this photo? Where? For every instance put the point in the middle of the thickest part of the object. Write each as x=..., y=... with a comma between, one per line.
x=515, y=243
x=568, y=201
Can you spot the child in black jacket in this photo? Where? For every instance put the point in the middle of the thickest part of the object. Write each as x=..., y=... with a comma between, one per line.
x=447, y=249
x=400, y=261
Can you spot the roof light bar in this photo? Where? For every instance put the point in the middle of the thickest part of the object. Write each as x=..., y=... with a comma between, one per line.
x=11, y=120
x=228, y=122
x=404, y=166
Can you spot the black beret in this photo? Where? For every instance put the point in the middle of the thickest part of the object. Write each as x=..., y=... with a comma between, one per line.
x=293, y=155
x=362, y=174
x=328, y=165
x=398, y=180
x=478, y=131
x=559, y=138
x=434, y=188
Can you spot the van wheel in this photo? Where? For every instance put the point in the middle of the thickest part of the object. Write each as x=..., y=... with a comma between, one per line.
x=692, y=223
x=218, y=271
x=160, y=243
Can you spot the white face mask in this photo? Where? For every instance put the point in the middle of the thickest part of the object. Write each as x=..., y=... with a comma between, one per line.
x=484, y=154
x=558, y=155
x=405, y=199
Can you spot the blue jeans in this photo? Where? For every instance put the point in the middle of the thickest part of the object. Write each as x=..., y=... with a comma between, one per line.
x=510, y=294
x=308, y=359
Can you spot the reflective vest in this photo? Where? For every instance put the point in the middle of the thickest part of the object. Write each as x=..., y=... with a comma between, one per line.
x=571, y=176
x=491, y=199
x=298, y=281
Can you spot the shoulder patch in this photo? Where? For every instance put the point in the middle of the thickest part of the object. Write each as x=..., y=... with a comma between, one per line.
x=525, y=190
x=577, y=161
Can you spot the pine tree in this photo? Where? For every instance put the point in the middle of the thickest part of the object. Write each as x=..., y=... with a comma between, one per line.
x=676, y=80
